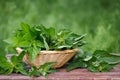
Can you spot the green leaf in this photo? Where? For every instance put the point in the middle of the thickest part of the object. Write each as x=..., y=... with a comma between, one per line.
x=78, y=43
x=75, y=65
x=103, y=67
x=5, y=65
x=92, y=68
x=21, y=55
x=100, y=53
x=78, y=56
x=80, y=37
x=51, y=32
x=34, y=72
x=106, y=57
x=17, y=58
x=14, y=59
x=24, y=44
x=25, y=27
x=20, y=67
x=6, y=71
x=33, y=51
x=37, y=28
x=88, y=56
x=4, y=62
x=27, y=33
x=45, y=43
x=2, y=70
x=12, y=41
x=106, y=67
x=111, y=59
x=45, y=68
x=63, y=47
x=39, y=43
x=96, y=63
x=62, y=36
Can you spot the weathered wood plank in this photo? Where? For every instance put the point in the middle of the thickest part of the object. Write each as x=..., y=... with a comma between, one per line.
x=77, y=74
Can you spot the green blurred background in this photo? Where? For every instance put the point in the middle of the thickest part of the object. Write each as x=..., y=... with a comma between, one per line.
x=99, y=19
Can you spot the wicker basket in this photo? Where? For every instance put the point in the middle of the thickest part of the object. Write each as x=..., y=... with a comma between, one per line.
x=61, y=57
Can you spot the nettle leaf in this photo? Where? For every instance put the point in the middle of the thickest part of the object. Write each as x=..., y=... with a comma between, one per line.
x=100, y=53
x=78, y=56
x=102, y=67
x=28, y=33
x=21, y=55
x=12, y=41
x=63, y=47
x=39, y=43
x=79, y=43
x=46, y=68
x=18, y=65
x=75, y=40
x=2, y=71
x=80, y=37
x=6, y=71
x=15, y=64
x=111, y=59
x=45, y=43
x=69, y=40
x=14, y=60
x=74, y=65
x=37, y=28
x=5, y=66
x=63, y=33
x=96, y=63
x=43, y=29
x=88, y=56
x=51, y=37
x=25, y=27
x=34, y=72
x=4, y=62
x=24, y=44
x=33, y=51
x=20, y=68
x=106, y=57
x=51, y=32
x=92, y=68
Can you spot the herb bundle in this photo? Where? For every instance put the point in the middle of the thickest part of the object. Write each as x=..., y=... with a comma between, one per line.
x=34, y=39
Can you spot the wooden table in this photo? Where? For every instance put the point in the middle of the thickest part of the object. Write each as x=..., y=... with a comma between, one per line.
x=77, y=74
x=81, y=74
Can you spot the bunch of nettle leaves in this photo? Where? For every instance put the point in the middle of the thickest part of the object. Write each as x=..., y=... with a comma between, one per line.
x=34, y=39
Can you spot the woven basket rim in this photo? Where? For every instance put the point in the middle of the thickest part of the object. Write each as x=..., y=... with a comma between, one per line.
x=59, y=52
x=19, y=50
